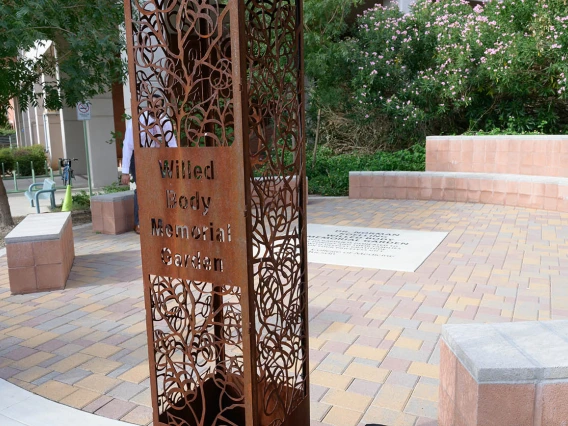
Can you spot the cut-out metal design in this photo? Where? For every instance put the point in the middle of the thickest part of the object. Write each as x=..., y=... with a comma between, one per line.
x=223, y=214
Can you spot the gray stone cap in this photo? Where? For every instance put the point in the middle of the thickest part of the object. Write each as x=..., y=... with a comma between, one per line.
x=113, y=196
x=500, y=137
x=39, y=227
x=511, y=352
x=471, y=175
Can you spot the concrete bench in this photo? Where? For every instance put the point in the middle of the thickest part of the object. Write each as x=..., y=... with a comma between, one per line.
x=40, y=252
x=47, y=191
x=113, y=213
x=536, y=155
x=507, y=374
x=537, y=192
x=519, y=171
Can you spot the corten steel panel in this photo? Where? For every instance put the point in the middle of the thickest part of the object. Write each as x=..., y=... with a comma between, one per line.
x=222, y=217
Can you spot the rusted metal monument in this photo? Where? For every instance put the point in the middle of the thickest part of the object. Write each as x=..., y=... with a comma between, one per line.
x=223, y=214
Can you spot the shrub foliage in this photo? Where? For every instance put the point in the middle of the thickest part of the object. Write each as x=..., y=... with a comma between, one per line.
x=24, y=157
x=445, y=68
x=330, y=174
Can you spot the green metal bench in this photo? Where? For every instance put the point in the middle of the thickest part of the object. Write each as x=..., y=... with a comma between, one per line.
x=47, y=191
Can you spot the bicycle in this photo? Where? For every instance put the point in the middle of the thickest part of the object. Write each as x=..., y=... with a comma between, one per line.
x=66, y=170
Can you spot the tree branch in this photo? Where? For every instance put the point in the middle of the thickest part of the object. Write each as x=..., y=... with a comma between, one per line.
x=46, y=28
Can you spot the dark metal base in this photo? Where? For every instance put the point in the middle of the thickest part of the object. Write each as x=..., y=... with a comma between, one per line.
x=188, y=412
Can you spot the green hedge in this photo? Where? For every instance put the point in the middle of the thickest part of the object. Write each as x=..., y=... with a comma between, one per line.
x=7, y=159
x=330, y=175
x=24, y=157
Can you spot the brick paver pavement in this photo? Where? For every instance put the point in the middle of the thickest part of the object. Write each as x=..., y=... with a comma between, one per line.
x=373, y=333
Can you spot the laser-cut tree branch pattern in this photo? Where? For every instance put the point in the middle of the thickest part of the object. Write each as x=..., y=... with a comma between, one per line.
x=189, y=353
x=275, y=85
x=184, y=69
x=182, y=54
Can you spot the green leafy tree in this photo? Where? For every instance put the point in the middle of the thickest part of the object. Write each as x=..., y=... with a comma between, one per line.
x=326, y=24
x=449, y=68
x=88, y=43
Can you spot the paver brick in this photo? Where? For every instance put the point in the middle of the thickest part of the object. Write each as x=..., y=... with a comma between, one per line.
x=330, y=380
x=97, y=403
x=407, y=343
x=366, y=352
x=350, y=400
x=392, y=397
x=126, y=391
x=54, y=390
x=115, y=409
x=365, y=372
x=98, y=383
x=338, y=416
x=380, y=415
x=136, y=374
x=80, y=398
x=23, y=332
x=70, y=362
x=423, y=369
x=139, y=416
x=100, y=365
x=364, y=387
x=101, y=350
x=24, y=385
x=318, y=410
x=497, y=264
x=31, y=374
x=32, y=360
x=143, y=398
x=422, y=408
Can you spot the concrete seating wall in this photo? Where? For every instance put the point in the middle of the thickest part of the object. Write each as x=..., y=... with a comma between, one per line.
x=536, y=155
x=537, y=192
x=520, y=171
x=507, y=374
x=40, y=252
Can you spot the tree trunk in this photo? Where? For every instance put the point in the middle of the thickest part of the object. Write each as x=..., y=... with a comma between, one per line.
x=5, y=213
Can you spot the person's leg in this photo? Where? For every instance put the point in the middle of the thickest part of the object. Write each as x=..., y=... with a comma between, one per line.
x=136, y=217
x=133, y=173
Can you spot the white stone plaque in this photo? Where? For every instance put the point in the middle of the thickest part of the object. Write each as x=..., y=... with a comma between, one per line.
x=391, y=249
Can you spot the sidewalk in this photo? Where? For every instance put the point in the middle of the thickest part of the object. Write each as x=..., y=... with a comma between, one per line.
x=15, y=410
x=20, y=205
x=374, y=334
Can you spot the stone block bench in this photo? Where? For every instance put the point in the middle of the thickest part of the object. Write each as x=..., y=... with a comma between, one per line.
x=113, y=213
x=40, y=252
x=518, y=171
x=507, y=374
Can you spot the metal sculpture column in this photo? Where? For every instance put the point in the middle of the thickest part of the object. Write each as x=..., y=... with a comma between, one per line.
x=223, y=214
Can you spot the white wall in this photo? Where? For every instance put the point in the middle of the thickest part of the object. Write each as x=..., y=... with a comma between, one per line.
x=403, y=5
x=55, y=138
x=73, y=139
x=102, y=155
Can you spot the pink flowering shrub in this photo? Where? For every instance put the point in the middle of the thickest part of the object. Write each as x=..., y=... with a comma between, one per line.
x=449, y=68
